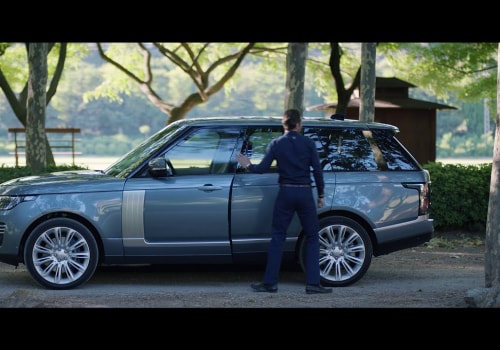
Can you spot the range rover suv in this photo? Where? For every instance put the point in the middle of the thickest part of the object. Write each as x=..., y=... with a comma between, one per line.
x=180, y=197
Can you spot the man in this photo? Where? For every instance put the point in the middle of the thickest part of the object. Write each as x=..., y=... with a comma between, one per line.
x=295, y=155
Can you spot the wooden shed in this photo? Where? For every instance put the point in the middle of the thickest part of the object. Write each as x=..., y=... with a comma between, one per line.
x=416, y=119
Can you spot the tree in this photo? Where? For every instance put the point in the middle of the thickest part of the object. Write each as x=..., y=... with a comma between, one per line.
x=295, y=75
x=324, y=60
x=367, y=83
x=466, y=69
x=19, y=103
x=490, y=295
x=492, y=244
x=343, y=94
x=364, y=80
x=36, y=150
x=207, y=70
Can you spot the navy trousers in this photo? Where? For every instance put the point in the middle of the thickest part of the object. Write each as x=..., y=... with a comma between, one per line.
x=291, y=200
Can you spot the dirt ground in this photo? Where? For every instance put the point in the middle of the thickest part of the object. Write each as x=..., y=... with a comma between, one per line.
x=435, y=275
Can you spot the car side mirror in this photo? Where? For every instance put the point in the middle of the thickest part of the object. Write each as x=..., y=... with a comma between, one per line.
x=157, y=167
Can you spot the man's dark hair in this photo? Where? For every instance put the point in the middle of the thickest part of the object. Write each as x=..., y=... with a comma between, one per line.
x=292, y=118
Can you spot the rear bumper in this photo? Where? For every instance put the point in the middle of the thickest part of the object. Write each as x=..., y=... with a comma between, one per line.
x=403, y=236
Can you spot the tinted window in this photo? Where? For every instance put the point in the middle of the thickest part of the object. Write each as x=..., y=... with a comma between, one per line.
x=354, y=149
x=395, y=155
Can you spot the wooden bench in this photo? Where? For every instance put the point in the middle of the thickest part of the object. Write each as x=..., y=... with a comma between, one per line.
x=55, y=144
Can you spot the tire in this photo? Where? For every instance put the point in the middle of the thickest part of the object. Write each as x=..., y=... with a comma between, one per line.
x=61, y=254
x=345, y=251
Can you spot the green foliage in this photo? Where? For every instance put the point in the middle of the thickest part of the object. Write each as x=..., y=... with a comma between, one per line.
x=9, y=173
x=451, y=145
x=102, y=101
x=468, y=69
x=459, y=196
x=4, y=47
x=14, y=63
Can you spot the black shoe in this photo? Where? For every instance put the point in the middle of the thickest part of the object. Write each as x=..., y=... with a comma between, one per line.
x=263, y=287
x=317, y=289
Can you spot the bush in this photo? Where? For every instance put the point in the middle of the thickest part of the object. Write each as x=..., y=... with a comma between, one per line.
x=8, y=173
x=459, y=196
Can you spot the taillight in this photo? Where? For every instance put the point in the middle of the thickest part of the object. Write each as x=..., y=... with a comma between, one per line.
x=425, y=199
x=424, y=196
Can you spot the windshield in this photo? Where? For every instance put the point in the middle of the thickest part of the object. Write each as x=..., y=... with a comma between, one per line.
x=138, y=155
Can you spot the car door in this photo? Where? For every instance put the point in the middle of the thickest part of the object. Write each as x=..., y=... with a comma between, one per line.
x=254, y=196
x=184, y=214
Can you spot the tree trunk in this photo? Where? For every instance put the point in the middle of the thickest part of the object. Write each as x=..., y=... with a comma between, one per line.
x=492, y=245
x=489, y=297
x=36, y=150
x=367, y=82
x=295, y=75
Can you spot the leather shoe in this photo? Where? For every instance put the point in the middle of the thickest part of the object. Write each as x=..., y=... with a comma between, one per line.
x=264, y=287
x=317, y=289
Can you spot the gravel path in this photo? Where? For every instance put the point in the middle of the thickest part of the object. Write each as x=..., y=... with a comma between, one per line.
x=431, y=276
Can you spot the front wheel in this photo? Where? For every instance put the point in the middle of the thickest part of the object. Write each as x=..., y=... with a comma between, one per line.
x=345, y=251
x=61, y=253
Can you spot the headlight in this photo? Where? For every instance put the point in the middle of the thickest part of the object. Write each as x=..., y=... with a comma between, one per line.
x=9, y=202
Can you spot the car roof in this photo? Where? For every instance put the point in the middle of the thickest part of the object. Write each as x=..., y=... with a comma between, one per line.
x=276, y=120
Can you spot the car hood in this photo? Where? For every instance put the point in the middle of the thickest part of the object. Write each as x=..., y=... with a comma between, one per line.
x=62, y=182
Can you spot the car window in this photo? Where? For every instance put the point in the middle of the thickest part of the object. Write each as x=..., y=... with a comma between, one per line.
x=256, y=142
x=128, y=163
x=395, y=155
x=221, y=163
x=356, y=149
x=193, y=155
x=204, y=151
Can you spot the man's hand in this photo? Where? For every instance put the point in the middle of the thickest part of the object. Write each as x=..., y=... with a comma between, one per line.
x=321, y=202
x=243, y=160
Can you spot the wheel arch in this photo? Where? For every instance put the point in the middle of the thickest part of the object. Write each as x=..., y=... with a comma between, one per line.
x=61, y=214
x=359, y=219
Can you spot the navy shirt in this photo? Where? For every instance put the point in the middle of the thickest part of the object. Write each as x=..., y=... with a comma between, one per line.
x=297, y=157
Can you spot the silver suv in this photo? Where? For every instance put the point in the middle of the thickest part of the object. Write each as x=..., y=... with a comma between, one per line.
x=181, y=198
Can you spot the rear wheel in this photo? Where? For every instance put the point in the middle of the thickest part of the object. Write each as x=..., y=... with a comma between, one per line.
x=345, y=251
x=61, y=254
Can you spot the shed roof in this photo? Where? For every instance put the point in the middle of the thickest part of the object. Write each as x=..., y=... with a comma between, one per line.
x=385, y=99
